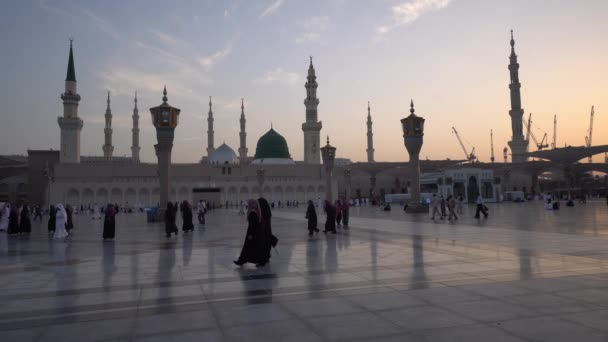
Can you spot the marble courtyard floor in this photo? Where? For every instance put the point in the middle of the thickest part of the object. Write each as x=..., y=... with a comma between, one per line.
x=524, y=274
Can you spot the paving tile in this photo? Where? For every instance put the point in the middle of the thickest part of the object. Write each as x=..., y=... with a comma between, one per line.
x=425, y=317
x=489, y=310
x=212, y=335
x=552, y=329
x=91, y=331
x=174, y=322
x=384, y=301
x=290, y=330
x=593, y=319
x=228, y=316
x=357, y=325
x=321, y=307
x=468, y=333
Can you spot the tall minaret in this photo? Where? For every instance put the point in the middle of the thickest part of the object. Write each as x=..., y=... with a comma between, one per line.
x=243, y=136
x=518, y=144
x=70, y=124
x=135, y=143
x=107, y=131
x=312, y=127
x=210, y=148
x=370, y=137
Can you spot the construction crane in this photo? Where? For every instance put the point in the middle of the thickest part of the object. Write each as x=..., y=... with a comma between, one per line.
x=590, y=134
x=530, y=134
x=554, y=143
x=492, y=146
x=469, y=156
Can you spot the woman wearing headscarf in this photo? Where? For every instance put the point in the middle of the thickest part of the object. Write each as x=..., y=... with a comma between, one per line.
x=13, y=220
x=187, y=217
x=170, y=226
x=6, y=211
x=25, y=224
x=330, y=221
x=69, y=225
x=311, y=216
x=338, y=206
x=60, y=219
x=267, y=239
x=345, y=212
x=109, y=222
x=252, y=251
x=52, y=219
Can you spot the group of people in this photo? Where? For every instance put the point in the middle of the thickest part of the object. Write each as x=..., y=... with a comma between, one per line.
x=336, y=214
x=451, y=203
x=259, y=238
x=60, y=221
x=187, y=215
x=15, y=219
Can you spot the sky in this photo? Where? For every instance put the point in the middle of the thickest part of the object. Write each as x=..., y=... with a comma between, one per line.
x=449, y=56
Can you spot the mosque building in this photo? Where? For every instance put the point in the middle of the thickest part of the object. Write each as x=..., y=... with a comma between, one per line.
x=221, y=176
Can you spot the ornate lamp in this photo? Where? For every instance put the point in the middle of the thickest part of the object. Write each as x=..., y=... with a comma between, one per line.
x=328, y=153
x=413, y=133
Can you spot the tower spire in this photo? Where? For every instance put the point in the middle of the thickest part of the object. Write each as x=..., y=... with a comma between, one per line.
x=107, y=146
x=135, y=133
x=71, y=74
x=210, y=144
x=518, y=144
x=311, y=127
x=370, y=136
x=243, y=136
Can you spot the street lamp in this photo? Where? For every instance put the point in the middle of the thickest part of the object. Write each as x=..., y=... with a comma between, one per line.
x=413, y=133
x=165, y=119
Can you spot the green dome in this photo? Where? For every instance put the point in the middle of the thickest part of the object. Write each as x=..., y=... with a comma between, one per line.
x=272, y=145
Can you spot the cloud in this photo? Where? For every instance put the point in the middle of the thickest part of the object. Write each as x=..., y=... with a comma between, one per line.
x=102, y=24
x=274, y=6
x=44, y=4
x=279, y=75
x=167, y=39
x=313, y=29
x=410, y=11
x=209, y=61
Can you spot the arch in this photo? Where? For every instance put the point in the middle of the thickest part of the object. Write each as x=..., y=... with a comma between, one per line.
x=116, y=196
x=184, y=194
x=130, y=197
x=88, y=197
x=472, y=189
x=102, y=196
x=73, y=197
x=243, y=193
x=155, y=199
x=267, y=192
x=144, y=197
x=311, y=194
x=277, y=193
x=300, y=194
x=21, y=189
x=487, y=190
x=289, y=194
x=232, y=195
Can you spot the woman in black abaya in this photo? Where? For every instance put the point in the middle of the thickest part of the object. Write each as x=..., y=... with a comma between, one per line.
x=311, y=216
x=252, y=250
x=267, y=239
x=330, y=222
x=52, y=218
x=170, y=226
x=187, y=217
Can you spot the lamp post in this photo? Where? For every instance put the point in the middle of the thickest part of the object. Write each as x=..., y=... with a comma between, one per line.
x=413, y=133
x=328, y=153
x=164, y=118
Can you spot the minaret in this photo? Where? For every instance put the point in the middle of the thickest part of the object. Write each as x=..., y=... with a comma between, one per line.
x=107, y=131
x=518, y=144
x=70, y=124
x=312, y=127
x=243, y=136
x=210, y=148
x=135, y=143
x=370, y=137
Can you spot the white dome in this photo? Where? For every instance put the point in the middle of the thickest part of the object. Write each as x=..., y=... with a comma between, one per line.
x=223, y=154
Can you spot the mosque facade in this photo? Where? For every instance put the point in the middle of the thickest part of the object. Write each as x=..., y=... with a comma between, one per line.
x=222, y=175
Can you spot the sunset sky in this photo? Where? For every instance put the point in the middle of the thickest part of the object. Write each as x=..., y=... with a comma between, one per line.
x=449, y=56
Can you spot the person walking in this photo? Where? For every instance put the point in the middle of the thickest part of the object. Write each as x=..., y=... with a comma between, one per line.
x=451, y=208
x=330, y=221
x=170, y=226
x=109, y=222
x=69, y=224
x=338, y=206
x=267, y=240
x=311, y=216
x=481, y=208
x=460, y=204
x=345, y=213
x=5, y=211
x=200, y=211
x=60, y=221
x=434, y=206
x=187, y=217
x=25, y=222
x=251, y=250
x=52, y=219
x=442, y=205
x=37, y=213
x=13, y=220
